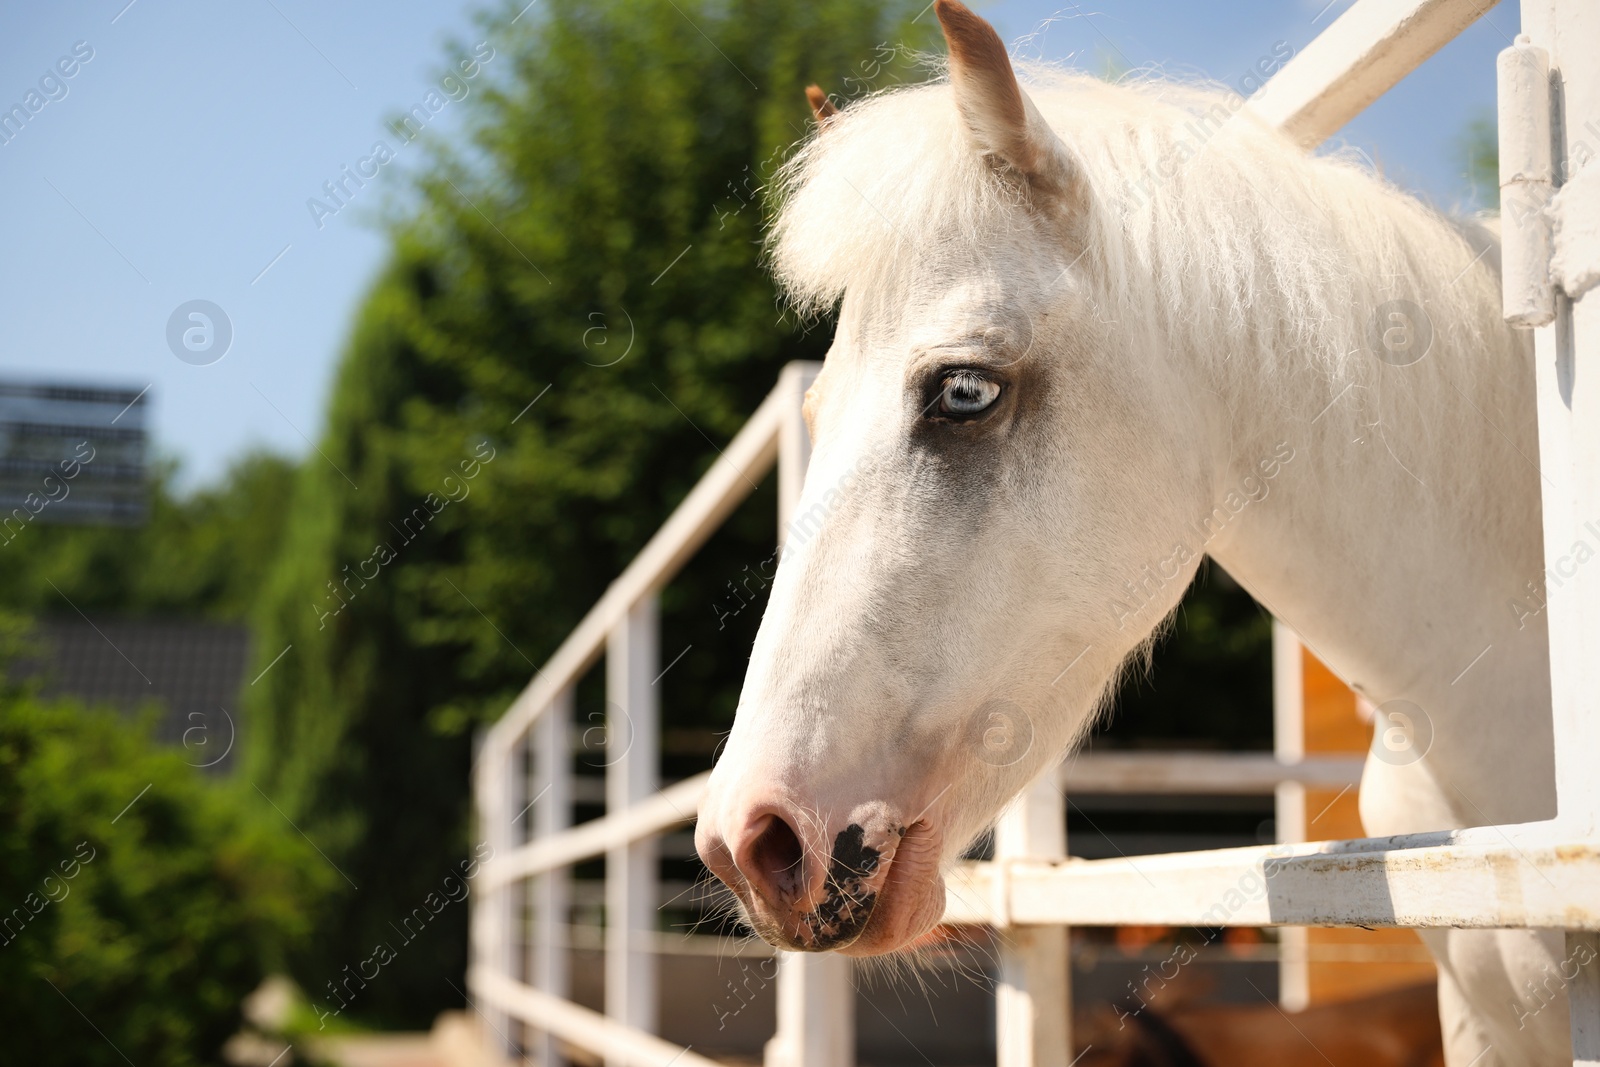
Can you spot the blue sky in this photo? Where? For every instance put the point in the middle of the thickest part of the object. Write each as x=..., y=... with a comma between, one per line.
x=178, y=164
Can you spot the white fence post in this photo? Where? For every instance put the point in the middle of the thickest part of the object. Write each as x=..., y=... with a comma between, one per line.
x=1033, y=1002
x=816, y=1012
x=794, y=441
x=632, y=750
x=494, y=932
x=550, y=893
x=1584, y=997
x=1289, y=802
x=816, y=993
x=1567, y=358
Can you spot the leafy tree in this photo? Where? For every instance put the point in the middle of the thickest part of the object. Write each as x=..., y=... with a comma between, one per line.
x=206, y=553
x=1478, y=149
x=573, y=321
x=139, y=901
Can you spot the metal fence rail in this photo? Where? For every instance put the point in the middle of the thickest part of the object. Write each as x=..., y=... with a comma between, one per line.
x=1542, y=875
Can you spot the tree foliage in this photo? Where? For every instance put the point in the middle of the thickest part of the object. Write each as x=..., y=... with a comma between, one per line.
x=205, y=553
x=140, y=901
x=573, y=322
x=1477, y=148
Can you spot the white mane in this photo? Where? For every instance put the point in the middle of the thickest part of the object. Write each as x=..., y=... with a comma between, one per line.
x=1249, y=239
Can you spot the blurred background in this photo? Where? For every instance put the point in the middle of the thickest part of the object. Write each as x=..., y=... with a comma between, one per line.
x=348, y=354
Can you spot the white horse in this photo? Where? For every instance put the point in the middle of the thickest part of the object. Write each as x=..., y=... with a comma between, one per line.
x=1088, y=334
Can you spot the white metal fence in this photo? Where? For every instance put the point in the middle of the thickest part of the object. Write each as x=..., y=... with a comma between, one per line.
x=1543, y=874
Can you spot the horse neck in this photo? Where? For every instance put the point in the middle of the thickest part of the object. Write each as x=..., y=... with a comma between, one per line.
x=1400, y=542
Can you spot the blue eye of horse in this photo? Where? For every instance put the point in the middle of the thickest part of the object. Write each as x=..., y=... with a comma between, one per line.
x=965, y=393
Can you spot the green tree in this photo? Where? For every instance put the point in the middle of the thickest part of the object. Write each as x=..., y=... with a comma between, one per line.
x=139, y=900
x=573, y=321
x=1478, y=149
x=206, y=553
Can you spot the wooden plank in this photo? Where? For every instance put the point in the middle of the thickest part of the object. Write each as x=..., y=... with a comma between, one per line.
x=1319, y=884
x=1361, y=56
x=587, y=1029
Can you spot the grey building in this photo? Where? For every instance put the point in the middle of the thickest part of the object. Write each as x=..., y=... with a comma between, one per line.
x=70, y=453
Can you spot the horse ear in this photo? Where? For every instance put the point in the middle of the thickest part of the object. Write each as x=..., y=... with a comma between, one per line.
x=1001, y=119
x=821, y=106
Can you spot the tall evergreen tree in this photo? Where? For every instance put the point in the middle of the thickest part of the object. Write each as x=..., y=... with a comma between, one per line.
x=574, y=320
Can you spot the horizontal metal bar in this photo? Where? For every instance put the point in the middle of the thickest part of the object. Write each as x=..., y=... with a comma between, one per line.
x=587, y=1029
x=1363, y=882
x=674, y=805
x=1361, y=56
x=591, y=937
x=1203, y=772
x=1149, y=772
x=746, y=460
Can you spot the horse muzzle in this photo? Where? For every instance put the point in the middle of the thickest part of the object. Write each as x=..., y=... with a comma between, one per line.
x=864, y=885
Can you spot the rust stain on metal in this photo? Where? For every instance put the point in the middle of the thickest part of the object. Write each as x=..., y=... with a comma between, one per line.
x=1508, y=885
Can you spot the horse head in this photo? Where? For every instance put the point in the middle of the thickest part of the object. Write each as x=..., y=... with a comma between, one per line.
x=993, y=463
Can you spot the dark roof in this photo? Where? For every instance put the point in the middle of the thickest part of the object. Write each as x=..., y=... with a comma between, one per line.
x=194, y=669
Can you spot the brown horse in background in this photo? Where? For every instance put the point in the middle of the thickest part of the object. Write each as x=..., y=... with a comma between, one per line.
x=1395, y=1028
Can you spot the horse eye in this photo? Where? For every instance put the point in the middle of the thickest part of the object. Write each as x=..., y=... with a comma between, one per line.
x=965, y=394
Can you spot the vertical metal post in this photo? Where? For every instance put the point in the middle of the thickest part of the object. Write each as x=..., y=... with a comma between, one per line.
x=816, y=993
x=495, y=938
x=1526, y=181
x=633, y=745
x=1583, y=949
x=1033, y=1002
x=480, y=913
x=1567, y=358
x=1567, y=354
x=550, y=893
x=1289, y=802
x=816, y=1013
x=794, y=441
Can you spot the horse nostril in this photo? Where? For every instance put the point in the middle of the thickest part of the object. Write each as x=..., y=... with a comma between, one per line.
x=773, y=862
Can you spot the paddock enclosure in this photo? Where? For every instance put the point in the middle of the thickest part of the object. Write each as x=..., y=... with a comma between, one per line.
x=1534, y=875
